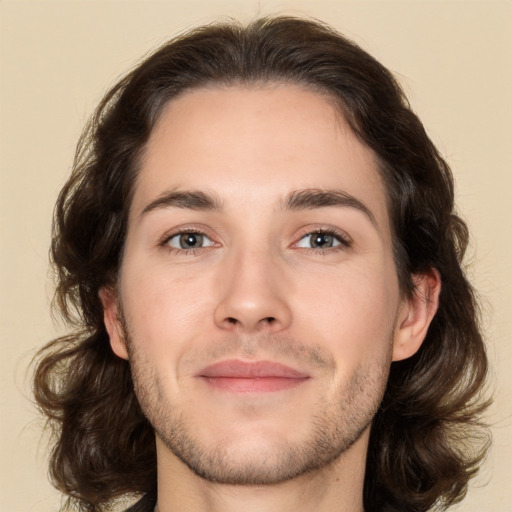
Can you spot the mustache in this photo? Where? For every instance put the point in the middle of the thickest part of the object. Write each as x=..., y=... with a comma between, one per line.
x=270, y=346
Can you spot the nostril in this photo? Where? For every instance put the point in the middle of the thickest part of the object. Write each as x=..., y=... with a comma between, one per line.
x=250, y=324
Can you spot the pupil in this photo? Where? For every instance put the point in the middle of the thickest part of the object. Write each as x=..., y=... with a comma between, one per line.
x=322, y=239
x=190, y=240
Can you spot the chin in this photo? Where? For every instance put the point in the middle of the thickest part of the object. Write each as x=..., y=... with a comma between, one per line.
x=257, y=457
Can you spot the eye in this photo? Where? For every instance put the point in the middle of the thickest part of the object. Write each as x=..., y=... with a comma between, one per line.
x=322, y=240
x=189, y=240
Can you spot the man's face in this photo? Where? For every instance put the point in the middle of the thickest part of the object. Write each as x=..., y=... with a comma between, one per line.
x=260, y=301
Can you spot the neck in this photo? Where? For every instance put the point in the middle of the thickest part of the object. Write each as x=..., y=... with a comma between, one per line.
x=336, y=487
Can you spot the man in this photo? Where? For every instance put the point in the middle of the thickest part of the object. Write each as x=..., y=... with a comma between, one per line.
x=259, y=241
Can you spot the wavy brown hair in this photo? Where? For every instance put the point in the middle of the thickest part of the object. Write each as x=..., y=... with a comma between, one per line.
x=427, y=439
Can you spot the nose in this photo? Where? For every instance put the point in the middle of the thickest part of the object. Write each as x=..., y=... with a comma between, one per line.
x=254, y=295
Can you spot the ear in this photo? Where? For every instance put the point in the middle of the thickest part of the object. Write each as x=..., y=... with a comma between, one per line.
x=416, y=313
x=109, y=301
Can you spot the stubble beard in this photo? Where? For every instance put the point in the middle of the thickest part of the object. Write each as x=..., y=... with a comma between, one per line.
x=332, y=430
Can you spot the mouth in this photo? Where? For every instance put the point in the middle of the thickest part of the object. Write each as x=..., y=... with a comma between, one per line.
x=238, y=376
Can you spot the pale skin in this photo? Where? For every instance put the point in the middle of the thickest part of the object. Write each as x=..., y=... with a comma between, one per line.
x=259, y=233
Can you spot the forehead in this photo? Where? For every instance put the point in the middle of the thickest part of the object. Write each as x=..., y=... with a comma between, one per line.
x=255, y=144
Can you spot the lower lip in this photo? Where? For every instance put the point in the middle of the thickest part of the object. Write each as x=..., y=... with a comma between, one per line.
x=253, y=385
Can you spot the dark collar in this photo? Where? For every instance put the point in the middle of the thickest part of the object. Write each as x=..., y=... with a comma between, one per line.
x=146, y=504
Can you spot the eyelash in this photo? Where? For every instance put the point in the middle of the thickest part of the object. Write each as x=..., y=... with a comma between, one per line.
x=344, y=241
x=187, y=252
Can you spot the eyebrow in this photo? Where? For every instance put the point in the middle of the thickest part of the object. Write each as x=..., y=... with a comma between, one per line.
x=191, y=200
x=305, y=199
x=309, y=199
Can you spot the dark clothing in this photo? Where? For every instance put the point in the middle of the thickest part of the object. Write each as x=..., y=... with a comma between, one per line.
x=146, y=504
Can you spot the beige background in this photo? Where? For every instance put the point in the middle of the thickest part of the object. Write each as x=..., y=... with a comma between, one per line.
x=454, y=59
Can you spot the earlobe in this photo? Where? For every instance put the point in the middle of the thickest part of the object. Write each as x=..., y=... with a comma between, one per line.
x=416, y=314
x=109, y=301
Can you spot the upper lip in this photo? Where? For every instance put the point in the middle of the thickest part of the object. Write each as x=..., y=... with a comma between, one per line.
x=236, y=368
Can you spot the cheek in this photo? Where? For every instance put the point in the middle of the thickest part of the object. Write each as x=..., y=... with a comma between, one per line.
x=164, y=309
x=353, y=311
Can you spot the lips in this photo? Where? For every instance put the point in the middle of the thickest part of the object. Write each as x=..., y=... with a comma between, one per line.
x=258, y=376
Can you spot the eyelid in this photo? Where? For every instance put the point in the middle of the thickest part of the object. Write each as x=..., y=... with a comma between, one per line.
x=209, y=241
x=344, y=239
x=180, y=230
